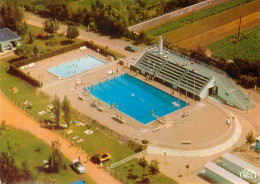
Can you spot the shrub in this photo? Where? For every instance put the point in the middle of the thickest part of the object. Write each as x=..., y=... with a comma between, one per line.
x=51, y=43
x=3, y=125
x=135, y=146
x=145, y=141
x=250, y=137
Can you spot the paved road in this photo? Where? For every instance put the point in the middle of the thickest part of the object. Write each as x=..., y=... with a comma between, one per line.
x=22, y=121
x=114, y=44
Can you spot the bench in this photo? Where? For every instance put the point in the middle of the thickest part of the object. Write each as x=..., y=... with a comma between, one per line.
x=119, y=118
x=156, y=129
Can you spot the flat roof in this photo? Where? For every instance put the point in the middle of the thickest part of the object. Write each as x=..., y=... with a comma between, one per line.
x=224, y=173
x=241, y=163
x=8, y=35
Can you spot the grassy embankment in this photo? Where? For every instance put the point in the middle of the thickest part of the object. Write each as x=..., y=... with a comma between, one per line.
x=27, y=147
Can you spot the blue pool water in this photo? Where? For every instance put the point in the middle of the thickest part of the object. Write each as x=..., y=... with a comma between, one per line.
x=136, y=98
x=76, y=66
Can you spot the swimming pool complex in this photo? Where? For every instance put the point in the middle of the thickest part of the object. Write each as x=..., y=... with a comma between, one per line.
x=136, y=98
x=76, y=66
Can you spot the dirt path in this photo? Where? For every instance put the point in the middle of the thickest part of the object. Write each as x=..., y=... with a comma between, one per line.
x=19, y=119
x=219, y=32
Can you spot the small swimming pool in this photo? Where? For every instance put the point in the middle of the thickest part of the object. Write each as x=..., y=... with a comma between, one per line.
x=76, y=66
x=136, y=98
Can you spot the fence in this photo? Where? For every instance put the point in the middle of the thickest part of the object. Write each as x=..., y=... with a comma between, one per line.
x=127, y=159
x=117, y=175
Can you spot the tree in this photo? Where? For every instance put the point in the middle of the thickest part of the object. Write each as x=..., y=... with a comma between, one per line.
x=57, y=9
x=23, y=50
x=250, y=137
x=72, y=32
x=11, y=14
x=51, y=26
x=143, y=163
x=154, y=167
x=26, y=173
x=10, y=172
x=233, y=70
x=3, y=125
x=22, y=28
x=35, y=50
x=30, y=38
x=66, y=108
x=56, y=109
x=55, y=161
x=187, y=167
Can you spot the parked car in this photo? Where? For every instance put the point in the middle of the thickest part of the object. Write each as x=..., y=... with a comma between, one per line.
x=131, y=48
x=77, y=165
x=105, y=157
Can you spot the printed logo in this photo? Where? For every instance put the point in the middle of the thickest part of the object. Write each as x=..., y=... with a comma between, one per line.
x=248, y=174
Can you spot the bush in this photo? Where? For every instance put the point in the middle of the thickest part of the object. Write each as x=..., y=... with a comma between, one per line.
x=135, y=146
x=145, y=141
x=250, y=137
x=3, y=125
x=51, y=43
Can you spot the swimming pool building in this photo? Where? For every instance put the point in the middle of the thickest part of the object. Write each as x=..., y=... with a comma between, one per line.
x=191, y=76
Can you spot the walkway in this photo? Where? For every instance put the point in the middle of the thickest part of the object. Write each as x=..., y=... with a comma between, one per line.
x=22, y=121
x=200, y=153
x=78, y=75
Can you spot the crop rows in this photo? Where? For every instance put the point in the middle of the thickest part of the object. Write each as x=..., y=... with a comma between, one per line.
x=195, y=17
x=247, y=48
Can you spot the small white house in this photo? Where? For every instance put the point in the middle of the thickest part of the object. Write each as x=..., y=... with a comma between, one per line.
x=8, y=40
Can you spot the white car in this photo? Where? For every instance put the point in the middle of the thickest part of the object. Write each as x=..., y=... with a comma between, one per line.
x=77, y=165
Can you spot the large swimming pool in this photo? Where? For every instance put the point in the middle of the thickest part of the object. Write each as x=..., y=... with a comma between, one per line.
x=136, y=98
x=76, y=66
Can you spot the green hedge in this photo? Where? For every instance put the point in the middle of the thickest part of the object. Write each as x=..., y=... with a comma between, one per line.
x=49, y=54
x=14, y=67
x=102, y=50
x=16, y=71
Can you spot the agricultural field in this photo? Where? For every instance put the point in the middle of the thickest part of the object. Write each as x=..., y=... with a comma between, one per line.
x=195, y=17
x=220, y=25
x=26, y=147
x=247, y=47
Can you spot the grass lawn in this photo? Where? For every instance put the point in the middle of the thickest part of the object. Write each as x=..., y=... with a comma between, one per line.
x=40, y=43
x=195, y=17
x=247, y=48
x=27, y=147
x=136, y=174
x=93, y=142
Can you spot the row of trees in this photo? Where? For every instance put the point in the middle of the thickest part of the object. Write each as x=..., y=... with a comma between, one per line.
x=65, y=107
x=11, y=172
x=12, y=16
x=110, y=19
